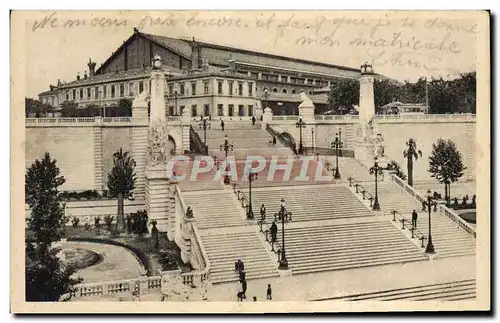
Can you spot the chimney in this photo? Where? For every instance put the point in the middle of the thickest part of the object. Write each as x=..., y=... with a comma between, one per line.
x=91, y=66
x=78, y=76
x=85, y=75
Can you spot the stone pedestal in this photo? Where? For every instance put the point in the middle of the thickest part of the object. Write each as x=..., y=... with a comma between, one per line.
x=186, y=234
x=156, y=196
x=267, y=117
x=306, y=109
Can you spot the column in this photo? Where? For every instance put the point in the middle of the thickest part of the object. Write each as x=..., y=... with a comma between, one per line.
x=98, y=174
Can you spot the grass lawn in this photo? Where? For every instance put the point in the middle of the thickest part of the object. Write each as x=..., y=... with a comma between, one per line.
x=167, y=257
x=469, y=216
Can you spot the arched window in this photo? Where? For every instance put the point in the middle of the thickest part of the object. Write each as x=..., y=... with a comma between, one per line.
x=275, y=90
x=284, y=91
x=294, y=91
x=310, y=92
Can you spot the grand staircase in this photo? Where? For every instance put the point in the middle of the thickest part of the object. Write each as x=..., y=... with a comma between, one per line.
x=448, y=291
x=311, y=202
x=215, y=209
x=224, y=249
x=448, y=239
x=199, y=181
x=346, y=246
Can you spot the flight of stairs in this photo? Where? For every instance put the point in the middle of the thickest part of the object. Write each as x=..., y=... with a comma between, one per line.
x=202, y=181
x=448, y=239
x=448, y=291
x=350, y=167
x=224, y=249
x=215, y=209
x=311, y=202
x=354, y=245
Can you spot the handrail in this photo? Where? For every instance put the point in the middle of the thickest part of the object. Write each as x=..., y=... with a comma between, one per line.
x=414, y=231
x=240, y=195
x=195, y=143
x=413, y=192
x=364, y=191
x=458, y=220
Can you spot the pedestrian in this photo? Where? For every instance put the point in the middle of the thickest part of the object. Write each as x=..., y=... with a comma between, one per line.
x=269, y=292
x=244, y=288
x=236, y=266
x=240, y=296
x=253, y=121
x=262, y=212
x=274, y=232
x=255, y=299
x=243, y=275
x=414, y=217
x=222, y=124
x=274, y=140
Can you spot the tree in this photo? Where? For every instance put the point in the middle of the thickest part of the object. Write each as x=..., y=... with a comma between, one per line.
x=344, y=94
x=394, y=166
x=411, y=152
x=47, y=279
x=124, y=108
x=69, y=109
x=121, y=182
x=386, y=91
x=445, y=164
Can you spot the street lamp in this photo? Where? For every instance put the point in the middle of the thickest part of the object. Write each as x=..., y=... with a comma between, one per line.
x=337, y=144
x=300, y=124
x=376, y=169
x=283, y=216
x=340, y=138
x=226, y=146
x=430, y=246
x=312, y=138
x=251, y=177
x=204, y=124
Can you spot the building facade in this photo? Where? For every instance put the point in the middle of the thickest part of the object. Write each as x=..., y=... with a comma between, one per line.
x=225, y=80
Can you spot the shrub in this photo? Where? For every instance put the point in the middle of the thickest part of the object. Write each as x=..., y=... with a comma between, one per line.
x=105, y=193
x=75, y=222
x=108, y=219
x=455, y=201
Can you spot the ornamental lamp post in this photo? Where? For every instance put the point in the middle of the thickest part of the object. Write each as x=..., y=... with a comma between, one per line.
x=204, y=124
x=376, y=169
x=251, y=177
x=337, y=144
x=340, y=139
x=226, y=147
x=283, y=261
x=300, y=124
x=430, y=246
x=312, y=138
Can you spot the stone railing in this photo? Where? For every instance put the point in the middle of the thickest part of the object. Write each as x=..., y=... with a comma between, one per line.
x=292, y=118
x=442, y=208
x=346, y=117
x=457, y=219
x=117, y=288
x=196, y=145
x=196, y=277
x=87, y=121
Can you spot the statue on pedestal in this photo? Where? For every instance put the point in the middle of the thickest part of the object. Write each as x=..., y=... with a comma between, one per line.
x=157, y=152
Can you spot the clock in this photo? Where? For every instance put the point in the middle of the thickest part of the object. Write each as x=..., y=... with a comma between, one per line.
x=157, y=62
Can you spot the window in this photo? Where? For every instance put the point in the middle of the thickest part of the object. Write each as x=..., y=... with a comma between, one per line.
x=250, y=89
x=113, y=91
x=241, y=110
x=219, y=87
x=294, y=91
x=240, y=88
x=206, y=109
x=104, y=88
x=275, y=90
x=250, y=110
x=231, y=110
x=205, y=87
x=67, y=96
x=220, y=110
x=88, y=93
x=230, y=88
x=194, y=110
x=131, y=88
x=73, y=97
x=310, y=81
x=170, y=89
x=81, y=94
x=182, y=89
x=193, y=88
x=182, y=109
x=171, y=111
x=141, y=87
x=284, y=91
x=310, y=92
x=96, y=92
x=122, y=90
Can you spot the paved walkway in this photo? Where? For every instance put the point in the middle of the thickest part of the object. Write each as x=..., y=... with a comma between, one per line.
x=352, y=281
x=118, y=263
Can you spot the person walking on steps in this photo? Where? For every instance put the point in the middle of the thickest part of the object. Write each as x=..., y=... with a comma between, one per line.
x=269, y=292
x=222, y=124
x=244, y=288
x=253, y=121
x=274, y=232
x=263, y=212
x=414, y=217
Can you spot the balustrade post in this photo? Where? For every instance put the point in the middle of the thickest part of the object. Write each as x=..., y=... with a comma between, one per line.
x=371, y=201
x=422, y=239
x=267, y=235
x=363, y=194
x=412, y=232
x=356, y=186
x=350, y=181
x=403, y=223
x=394, y=216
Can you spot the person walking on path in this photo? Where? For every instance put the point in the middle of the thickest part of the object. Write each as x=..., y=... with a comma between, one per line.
x=274, y=232
x=414, y=217
x=222, y=124
x=269, y=292
x=253, y=121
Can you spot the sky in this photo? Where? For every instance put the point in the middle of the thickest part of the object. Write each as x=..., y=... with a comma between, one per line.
x=403, y=45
